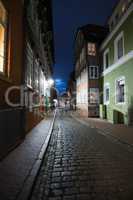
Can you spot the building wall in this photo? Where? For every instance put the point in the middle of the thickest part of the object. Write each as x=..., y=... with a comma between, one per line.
x=11, y=118
x=38, y=56
x=82, y=92
x=15, y=121
x=123, y=70
x=14, y=58
x=87, y=67
x=127, y=29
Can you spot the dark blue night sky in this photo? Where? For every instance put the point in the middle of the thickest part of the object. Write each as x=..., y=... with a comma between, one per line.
x=68, y=15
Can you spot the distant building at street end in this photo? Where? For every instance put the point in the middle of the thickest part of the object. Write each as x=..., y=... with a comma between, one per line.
x=88, y=68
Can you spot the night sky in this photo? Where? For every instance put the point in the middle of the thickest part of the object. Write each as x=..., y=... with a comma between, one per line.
x=68, y=15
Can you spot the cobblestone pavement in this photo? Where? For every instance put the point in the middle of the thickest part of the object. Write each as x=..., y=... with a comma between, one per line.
x=82, y=164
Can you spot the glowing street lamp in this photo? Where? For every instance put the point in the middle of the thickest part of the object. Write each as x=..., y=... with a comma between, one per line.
x=50, y=82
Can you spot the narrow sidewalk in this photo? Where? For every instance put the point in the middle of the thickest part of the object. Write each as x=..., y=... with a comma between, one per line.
x=120, y=131
x=17, y=166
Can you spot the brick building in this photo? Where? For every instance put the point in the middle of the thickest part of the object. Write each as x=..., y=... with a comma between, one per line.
x=88, y=68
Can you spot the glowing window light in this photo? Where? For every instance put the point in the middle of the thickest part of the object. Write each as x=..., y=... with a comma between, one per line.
x=2, y=36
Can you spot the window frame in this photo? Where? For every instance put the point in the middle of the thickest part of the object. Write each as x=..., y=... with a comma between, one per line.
x=122, y=78
x=118, y=38
x=104, y=59
x=92, y=54
x=96, y=102
x=36, y=74
x=4, y=24
x=29, y=65
x=97, y=69
x=106, y=86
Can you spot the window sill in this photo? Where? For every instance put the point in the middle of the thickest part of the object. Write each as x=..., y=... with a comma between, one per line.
x=118, y=63
x=106, y=103
x=121, y=103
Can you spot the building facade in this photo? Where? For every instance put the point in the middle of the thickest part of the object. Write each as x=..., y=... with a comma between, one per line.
x=26, y=58
x=117, y=51
x=38, y=56
x=88, y=68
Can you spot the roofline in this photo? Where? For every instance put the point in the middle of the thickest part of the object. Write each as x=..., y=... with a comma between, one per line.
x=113, y=10
x=109, y=37
x=79, y=29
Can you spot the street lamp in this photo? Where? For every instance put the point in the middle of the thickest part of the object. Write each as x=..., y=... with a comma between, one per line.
x=50, y=82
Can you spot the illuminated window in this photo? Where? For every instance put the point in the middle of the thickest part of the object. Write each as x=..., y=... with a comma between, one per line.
x=91, y=49
x=123, y=8
x=3, y=27
x=94, y=96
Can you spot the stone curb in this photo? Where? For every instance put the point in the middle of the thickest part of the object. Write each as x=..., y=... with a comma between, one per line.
x=28, y=184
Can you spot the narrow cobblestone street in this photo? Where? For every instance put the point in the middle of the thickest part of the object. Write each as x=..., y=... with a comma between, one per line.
x=81, y=163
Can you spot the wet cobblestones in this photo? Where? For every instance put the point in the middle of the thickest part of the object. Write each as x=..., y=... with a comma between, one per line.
x=81, y=164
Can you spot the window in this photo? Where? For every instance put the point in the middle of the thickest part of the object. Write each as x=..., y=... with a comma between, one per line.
x=94, y=96
x=106, y=59
x=29, y=65
x=124, y=8
x=120, y=90
x=36, y=75
x=3, y=29
x=119, y=46
x=117, y=18
x=106, y=93
x=94, y=72
x=82, y=56
x=91, y=49
x=111, y=25
x=41, y=82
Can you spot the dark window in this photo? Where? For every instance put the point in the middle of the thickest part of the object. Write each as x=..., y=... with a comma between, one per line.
x=106, y=60
x=94, y=72
x=120, y=48
x=116, y=18
x=107, y=94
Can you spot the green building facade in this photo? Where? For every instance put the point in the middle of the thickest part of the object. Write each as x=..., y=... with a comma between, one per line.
x=117, y=76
